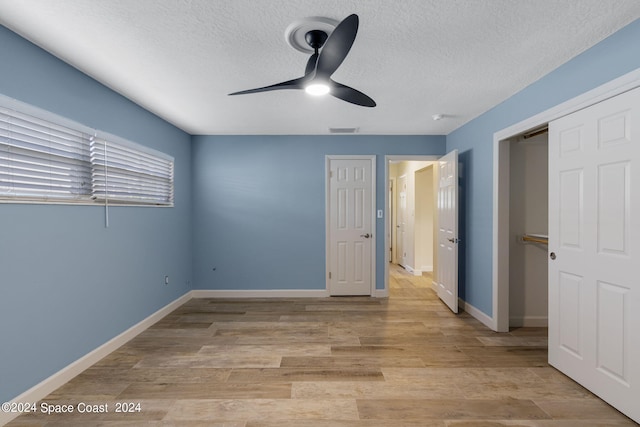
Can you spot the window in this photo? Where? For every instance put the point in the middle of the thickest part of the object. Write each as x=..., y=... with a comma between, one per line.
x=40, y=160
x=125, y=174
x=54, y=160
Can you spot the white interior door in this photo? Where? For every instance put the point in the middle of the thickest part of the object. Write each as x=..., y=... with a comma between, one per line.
x=447, y=272
x=594, y=249
x=402, y=220
x=351, y=209
x=391, y=218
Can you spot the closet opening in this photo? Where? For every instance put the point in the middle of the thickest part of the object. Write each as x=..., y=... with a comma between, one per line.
x=528, y=229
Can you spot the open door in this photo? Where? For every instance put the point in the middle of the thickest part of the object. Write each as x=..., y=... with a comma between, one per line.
x=447, y=274
x=402, y=222
x=594, y=249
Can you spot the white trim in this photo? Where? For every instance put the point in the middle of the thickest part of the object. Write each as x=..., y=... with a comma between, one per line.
x=66, y=374
x=501, y=138
x=411, y=270
x=273, y=293
x=387, y=159
x=476, y=314
x=327, y=215
x=529, y=322
x=381, y=293
x=418, y=272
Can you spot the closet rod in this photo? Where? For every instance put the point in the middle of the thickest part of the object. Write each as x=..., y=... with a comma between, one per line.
x=536, y=238
x=535, y=133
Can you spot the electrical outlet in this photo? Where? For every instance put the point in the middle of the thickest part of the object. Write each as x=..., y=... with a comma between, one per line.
x=166, y=280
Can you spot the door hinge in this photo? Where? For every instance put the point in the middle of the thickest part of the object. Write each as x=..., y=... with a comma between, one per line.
x=329, y=275
x=330, y=174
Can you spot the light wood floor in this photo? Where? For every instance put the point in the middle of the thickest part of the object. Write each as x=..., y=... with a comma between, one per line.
x=338, y=362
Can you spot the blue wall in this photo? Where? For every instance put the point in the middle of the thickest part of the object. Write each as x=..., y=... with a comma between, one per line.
x=259, y=206
x=613, y=57
x=67, y=283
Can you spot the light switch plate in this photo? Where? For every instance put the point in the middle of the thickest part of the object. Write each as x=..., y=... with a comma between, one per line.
x=380, y=213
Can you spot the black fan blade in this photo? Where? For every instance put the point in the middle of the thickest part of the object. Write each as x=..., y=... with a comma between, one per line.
x=337, y=46
x=351, y=95
x=311, y=64
x=290, y=84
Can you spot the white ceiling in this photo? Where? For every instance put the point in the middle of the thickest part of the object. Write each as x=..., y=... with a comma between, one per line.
x=415, y=58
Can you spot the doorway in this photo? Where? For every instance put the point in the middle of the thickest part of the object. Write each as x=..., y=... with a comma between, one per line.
x=410, y=205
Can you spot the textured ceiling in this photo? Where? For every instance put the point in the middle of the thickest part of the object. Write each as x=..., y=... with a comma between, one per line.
x=416, y=58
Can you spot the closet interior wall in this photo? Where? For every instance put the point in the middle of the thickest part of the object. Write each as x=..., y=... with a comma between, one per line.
x=528, y=214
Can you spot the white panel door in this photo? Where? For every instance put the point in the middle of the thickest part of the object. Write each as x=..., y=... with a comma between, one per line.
x=402, y=220
x=594, y=249
x=447, y=274
x=350, y=226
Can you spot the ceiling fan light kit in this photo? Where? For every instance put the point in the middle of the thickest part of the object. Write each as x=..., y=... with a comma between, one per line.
x=317, y=89
x=329, y=48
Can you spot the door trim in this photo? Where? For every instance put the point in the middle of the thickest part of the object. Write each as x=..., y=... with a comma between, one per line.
x=501, y=140
x=327, y=215
x=388, y=158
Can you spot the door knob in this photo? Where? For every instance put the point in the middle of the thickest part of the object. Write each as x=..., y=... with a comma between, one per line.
x=366, y=236
x=552, y=255
x=451, y=239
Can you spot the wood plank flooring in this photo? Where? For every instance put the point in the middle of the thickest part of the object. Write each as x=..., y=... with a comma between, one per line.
x=338, y=362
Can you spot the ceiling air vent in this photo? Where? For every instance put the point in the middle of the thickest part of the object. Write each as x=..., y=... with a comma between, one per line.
x=343, y=130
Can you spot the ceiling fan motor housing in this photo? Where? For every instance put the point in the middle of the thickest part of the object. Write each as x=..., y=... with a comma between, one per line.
x=316, y=38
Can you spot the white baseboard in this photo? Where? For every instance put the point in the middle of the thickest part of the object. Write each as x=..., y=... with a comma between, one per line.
x=412, y=270
x=275, y=293
x=529, y=322
x=477, y=314
x=434, y=286
x=66, y=374
x=427, y=268
x=381, y=293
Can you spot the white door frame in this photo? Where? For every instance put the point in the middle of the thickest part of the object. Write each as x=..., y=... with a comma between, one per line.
x=327, y=214
x=387, y=159
x=501, y=140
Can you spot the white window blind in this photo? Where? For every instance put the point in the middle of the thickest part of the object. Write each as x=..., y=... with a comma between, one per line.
x=130, y=174
x=41, y=160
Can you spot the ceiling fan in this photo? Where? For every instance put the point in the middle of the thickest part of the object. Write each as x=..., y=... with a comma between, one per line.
x=329, y=52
